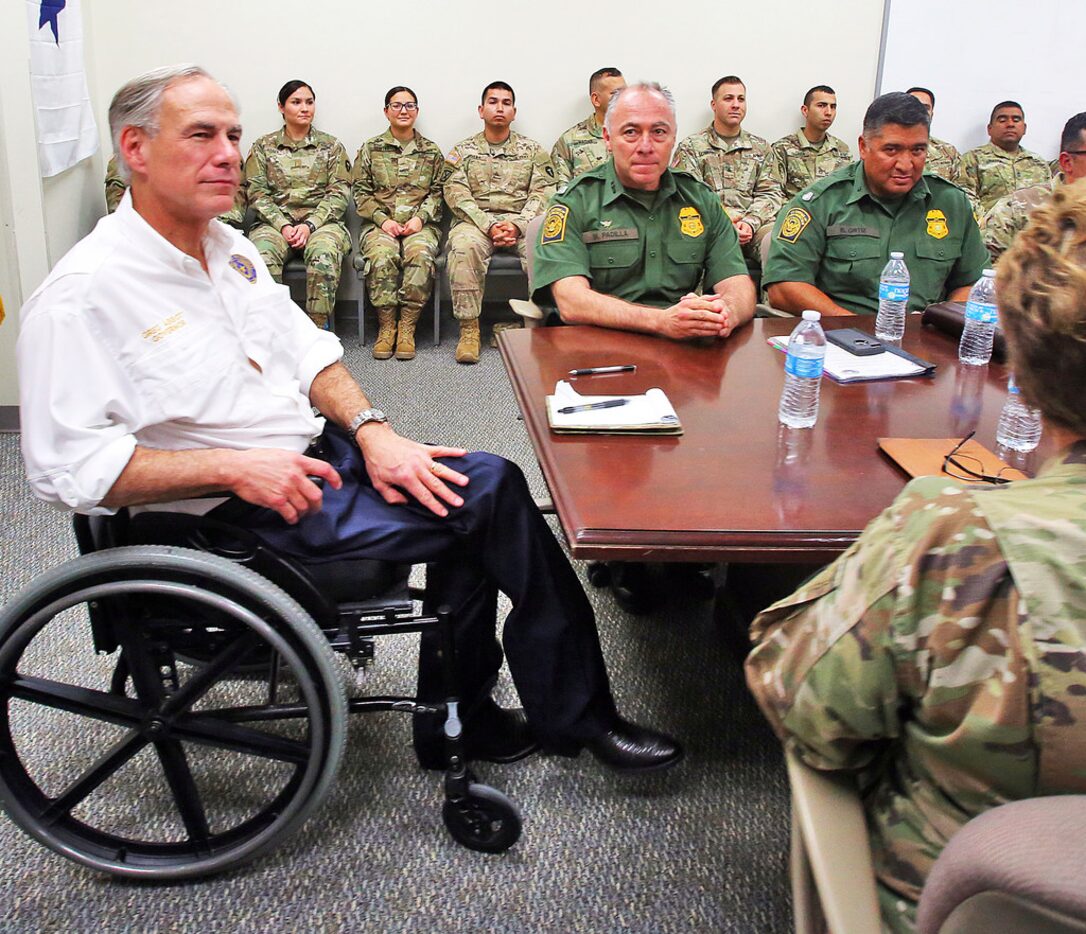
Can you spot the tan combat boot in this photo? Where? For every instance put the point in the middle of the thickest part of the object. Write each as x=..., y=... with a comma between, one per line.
x=467, y=348
x=405, y=338
x=386, y=334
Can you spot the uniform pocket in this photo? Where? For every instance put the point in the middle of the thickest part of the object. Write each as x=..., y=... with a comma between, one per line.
x=614, y=254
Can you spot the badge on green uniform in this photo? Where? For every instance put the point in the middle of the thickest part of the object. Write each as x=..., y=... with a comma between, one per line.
x=690, y=222
x=937, y=226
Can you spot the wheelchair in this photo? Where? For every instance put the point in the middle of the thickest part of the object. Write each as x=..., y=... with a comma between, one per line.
x=210, y=719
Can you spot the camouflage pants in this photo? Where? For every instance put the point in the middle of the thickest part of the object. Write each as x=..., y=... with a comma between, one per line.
x=399, y=271
x=469, y=258
x=323, y=254
x=752, y=250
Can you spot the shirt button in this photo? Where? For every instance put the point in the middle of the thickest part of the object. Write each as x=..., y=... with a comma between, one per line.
x=652, y=217
x=611, y=260
x=852, y=253
x=652, y=252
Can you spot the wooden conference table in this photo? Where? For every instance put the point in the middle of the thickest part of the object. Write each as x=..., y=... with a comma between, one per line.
x=736, y=486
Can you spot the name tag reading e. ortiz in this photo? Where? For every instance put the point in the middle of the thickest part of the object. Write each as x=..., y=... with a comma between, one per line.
x=850, y=230
x=618, y=233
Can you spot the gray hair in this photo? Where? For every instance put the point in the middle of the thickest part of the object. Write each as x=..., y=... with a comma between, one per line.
x=896, y=107
x=646, y=87
x=137, y=104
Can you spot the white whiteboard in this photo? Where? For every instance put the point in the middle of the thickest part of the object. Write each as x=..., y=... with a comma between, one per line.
x=975, y=53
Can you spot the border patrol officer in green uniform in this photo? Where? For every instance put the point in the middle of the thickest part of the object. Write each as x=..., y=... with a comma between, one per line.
x=582, y=147
x=397, y=179
x=633, y=245
x=832, y=241
x=299, y=181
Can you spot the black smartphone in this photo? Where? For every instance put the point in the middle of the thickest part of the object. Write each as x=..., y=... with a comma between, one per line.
x=855, y=341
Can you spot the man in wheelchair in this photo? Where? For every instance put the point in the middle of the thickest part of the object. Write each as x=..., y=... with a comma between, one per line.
x=161, y=368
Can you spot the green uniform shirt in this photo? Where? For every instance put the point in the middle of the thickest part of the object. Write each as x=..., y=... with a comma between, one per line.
x=648, y=255
x=837, y=237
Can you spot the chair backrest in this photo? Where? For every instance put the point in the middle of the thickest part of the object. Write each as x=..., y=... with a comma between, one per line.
x=1017, y=868
x=531, y=238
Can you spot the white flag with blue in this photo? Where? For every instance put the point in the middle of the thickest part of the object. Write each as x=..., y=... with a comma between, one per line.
x=58, y=82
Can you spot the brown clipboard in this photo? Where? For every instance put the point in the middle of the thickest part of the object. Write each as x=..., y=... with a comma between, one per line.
x=923, y=457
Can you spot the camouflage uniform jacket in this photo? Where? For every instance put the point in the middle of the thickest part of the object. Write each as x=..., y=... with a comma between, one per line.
x=290, y=181
x=579, y=149
x=800, y=162
x=1011, y=214
x=943, y=657
x=487, y=182
x=989, y=173
x=397, y=181
x=943, y=160
x=742, y=171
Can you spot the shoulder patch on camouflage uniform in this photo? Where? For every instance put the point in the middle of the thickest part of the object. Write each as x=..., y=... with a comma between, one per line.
x=554, y=225
x=937, y=226
x=243, y=267
x=453, y=157
x=690, y=222
x=795, y=222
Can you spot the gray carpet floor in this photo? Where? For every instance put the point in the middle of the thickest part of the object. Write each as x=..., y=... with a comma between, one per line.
x=702, y=848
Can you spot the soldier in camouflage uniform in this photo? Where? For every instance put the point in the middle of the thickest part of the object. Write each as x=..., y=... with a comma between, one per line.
x=116, y=186
x=1011, y=214
x=497, y=182
x=299, y=181
x=1001, y=166
x=582, y=147
x=397, y=179
x=811, y=152
x=738, y=166
x=943, y=159
x=942, y=658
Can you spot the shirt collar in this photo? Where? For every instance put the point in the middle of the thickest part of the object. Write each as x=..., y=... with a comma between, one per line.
x=216, y=242
x=284, y=141
x=593, y=128
x=728, y=143
x=615, y=189
x=388, y=139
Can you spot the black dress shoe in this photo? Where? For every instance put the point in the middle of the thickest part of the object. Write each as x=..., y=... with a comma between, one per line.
x=629, y=748
x=491, y=734
x=497, y=734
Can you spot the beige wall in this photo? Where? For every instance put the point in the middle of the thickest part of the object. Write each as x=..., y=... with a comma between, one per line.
x=352, y=52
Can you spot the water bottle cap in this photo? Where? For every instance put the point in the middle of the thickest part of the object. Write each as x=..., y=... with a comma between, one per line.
x=896, y=255
x=811, y=315
x=988, y=273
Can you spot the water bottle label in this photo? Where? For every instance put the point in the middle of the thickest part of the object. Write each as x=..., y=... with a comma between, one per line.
x=804, y=367
x=982, y=312
x=893, y=292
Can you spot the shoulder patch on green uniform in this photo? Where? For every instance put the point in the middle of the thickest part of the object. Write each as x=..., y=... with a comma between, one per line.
x=554, y=224
x=795, y=222
x=243, y=267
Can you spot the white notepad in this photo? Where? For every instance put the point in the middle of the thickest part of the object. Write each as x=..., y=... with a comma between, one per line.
x=650, y=413
x=845, y=367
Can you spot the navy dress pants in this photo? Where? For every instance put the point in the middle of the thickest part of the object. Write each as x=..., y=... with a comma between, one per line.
x=496, y=541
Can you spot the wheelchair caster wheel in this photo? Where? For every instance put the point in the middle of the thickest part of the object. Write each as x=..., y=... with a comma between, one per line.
x=599, y=574
x=484, y=819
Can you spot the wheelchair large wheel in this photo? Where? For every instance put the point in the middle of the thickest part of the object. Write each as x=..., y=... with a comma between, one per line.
x=172, y=770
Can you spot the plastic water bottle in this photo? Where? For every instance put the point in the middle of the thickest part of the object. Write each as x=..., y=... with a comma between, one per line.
x=803, y=373
x=893, y=299
x=1019, y=425
x=981, y=317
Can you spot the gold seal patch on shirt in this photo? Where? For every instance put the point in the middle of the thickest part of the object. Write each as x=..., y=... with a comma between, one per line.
x=795, y=222
x=937, y=227
x=243, y=266
x=554, y=224
x=690, y=222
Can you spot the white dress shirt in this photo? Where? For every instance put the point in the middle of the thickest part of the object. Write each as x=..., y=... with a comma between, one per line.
x=129, y=342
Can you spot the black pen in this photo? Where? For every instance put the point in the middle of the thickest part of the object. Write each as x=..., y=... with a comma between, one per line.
x=592, y=406
x=593, y=370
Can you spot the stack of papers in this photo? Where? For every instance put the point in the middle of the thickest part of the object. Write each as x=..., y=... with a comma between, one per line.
x=648, y=414
x=845, y=367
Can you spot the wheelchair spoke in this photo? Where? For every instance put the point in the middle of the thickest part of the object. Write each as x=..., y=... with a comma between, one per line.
x=120, y=753
x=208, y=676
x=185, y=793
x=86, y=702
x=208, y=730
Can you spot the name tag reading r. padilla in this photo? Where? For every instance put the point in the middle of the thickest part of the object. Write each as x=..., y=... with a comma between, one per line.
x=617, y=233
